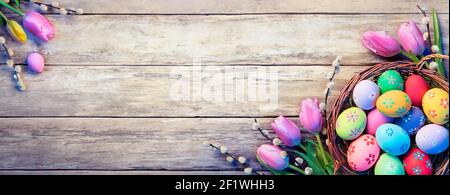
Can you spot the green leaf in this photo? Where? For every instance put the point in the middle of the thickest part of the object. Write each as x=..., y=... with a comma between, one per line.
x=317, y=170
x=17, y=3
x=438, y=42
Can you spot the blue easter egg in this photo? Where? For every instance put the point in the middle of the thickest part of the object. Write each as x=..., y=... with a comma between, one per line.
x=432, y=139
x=412, y=121
x=393, y=139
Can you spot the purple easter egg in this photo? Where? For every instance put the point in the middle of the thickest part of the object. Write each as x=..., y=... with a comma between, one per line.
x=375, y=119
x=35, y=62
x=365, y=94
x=412, y=121
x=432, y=139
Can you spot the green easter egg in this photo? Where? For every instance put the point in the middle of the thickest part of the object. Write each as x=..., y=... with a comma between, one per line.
x=389, y=165
x=351, y=123
x=390, y=80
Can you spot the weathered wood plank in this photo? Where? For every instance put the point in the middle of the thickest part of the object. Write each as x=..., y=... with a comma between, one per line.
x=149, y=91
x=252, y=6
x=212, y=40
x=106, y=172
x=125, y=143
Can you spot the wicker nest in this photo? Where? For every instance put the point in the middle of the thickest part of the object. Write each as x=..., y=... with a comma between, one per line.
x=338, y=147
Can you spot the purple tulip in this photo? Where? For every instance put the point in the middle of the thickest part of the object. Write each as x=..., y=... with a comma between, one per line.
x=287, y=131
x=35, y=62
x=310, y=115
x=272, y=156
x=380, y=43
x=39, y=26
x=411, y=38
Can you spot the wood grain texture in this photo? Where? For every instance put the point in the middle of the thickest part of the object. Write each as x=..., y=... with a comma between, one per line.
x=133, y=91
x=213, y=40
x=252, y=6
x=125, y=143
x=120, y=172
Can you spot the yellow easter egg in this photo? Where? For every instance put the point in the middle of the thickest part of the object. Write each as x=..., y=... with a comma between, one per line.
x=394, y=103
x=435, y=105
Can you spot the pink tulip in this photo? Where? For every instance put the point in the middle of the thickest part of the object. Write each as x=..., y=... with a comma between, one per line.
x=35, y=62
x=310, y=116
x=380, y=43
x=287, y=131
x=272, y=156
x=411, y=38
x=39, y=26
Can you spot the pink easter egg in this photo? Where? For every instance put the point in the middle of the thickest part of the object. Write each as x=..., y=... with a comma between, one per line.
x=375, y=119
x=363, y=153
x=35, y=62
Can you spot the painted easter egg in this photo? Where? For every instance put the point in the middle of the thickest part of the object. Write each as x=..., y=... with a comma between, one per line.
x=416, y=162
x=375, y=119
x=390, y=80
x=393, y=139
x=389, y=165
x=412, y=121
x=394, y=103
x=363, y=153
x=432, y=139
x=416, y=87
x=351, y=123
x=435, y=105
x=365, y=94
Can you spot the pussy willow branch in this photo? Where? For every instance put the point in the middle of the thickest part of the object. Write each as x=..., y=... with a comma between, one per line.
x=428, y=27
x=227, y=154
x=50, y=5
x=328, y=93
x=262, y=133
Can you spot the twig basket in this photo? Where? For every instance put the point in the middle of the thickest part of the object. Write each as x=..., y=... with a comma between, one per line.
x=338, y=147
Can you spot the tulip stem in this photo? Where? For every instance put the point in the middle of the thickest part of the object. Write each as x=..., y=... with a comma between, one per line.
x=410, y=56
x=321, y=149
x=297, y=169
x=4, y=17
x=12, y=8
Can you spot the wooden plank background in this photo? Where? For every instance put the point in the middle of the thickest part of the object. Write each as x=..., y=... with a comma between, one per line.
x=103, y=104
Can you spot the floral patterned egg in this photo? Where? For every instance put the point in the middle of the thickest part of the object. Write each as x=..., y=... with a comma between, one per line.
x=365, y=94
x=394, y=103
x=435, y=105
x=432, y=139
x=376, y=119
x=389, y=165
x=363, y=153
x=351, y=123
x=416, y=87
x=390, y=80
x=393, y=139
x=417, y=162
x=412, y=121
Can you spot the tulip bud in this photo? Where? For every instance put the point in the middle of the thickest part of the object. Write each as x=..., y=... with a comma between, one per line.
x=287, y=131
x=411, y=38
x=271, y=156
x=380, y=43
x=310, y=115
x=35, y=62
x=39, y=26
x=16, y=31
